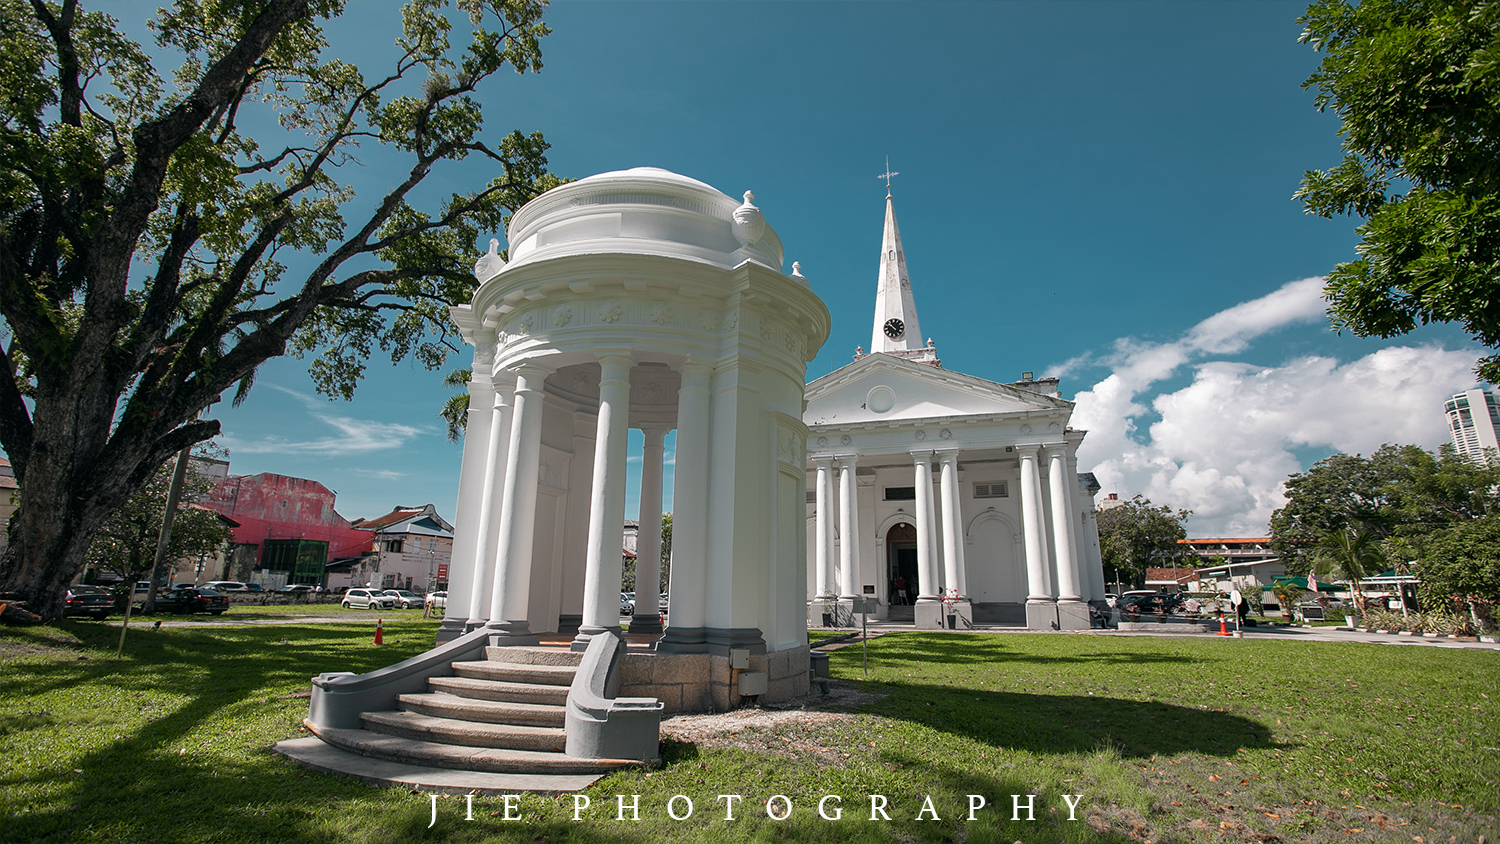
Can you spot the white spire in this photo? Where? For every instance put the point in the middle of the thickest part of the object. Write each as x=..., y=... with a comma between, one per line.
x=896, y=330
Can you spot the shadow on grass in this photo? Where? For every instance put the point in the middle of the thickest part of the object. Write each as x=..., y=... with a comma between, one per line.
x=982, y=648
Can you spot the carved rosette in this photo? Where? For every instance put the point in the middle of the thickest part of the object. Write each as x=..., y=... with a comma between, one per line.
x=563, y=317
x=610, y=312
x=661, y=314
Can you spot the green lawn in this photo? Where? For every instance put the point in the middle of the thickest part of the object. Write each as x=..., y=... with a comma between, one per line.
x=1170, y=739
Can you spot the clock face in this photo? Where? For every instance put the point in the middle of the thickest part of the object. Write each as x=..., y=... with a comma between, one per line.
x=894, y=328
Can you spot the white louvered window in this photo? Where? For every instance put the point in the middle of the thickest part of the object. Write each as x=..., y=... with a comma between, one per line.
x=995, y=489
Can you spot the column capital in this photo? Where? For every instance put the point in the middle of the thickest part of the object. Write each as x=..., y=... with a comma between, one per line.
x=627, y=356
x=922, y=456
x=1028, y=451
x=846, y=460
x=822, y=460
x=655, y=432
x=1055, y=448
x=947, y=456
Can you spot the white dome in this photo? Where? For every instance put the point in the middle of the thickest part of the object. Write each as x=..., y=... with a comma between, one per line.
x=640, y=211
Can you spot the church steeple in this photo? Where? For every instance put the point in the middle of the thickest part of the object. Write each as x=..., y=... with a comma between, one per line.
x=896, y=330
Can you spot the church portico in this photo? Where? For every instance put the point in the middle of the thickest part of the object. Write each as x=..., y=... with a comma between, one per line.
x=984, y=473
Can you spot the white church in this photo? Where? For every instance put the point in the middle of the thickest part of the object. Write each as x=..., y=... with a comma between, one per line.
x=962, y=496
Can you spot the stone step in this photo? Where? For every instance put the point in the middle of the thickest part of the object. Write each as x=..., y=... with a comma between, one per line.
x=510, y=672
x=443, y=705
x=533, y=656
x=414, y=725
x=491, y=759
x=471, y=687
x=311, y=752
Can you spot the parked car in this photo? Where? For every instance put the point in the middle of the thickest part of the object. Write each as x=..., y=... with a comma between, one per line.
x=367, y=599
x=198, y=599
x=296, y=588
x=254, y=587
x=92, y=601
x=183, y=585
x=226, y=586
x=404, y=599
x=1151, y=602
x=627, y=603
x=437, y=600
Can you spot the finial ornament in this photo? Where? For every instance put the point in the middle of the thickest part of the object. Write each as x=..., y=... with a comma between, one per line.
x=887, y=175
x=490, y=263
x=797, y=269
x=749, y=224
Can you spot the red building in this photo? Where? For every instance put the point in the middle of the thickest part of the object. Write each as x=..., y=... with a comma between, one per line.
x=288, y=530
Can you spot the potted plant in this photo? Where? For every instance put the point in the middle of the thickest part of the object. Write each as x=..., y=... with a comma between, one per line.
x=950, y=603
x=1287, y=594
x=830, y=609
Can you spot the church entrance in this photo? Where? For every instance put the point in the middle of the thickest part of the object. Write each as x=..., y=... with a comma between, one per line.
x=901, y=549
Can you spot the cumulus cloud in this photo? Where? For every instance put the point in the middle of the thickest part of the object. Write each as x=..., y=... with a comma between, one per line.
x=1224, y=444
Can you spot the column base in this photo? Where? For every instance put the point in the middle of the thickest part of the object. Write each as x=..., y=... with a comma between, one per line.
x=646, y=623
x=568, y=623
x=1041, y=615
x=451, y=629
x=1073, y=615
x=927, y=612
x=587, y=632
x=682, y=640
x=721, y=640
x=511, y=634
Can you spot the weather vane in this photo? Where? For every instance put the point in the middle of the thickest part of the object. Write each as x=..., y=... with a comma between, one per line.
x=887, y=175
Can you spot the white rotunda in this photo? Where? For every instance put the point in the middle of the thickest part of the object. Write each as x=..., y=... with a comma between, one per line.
x=637, y=299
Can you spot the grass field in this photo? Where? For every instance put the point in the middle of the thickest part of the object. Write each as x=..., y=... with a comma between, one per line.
x=1171, y=740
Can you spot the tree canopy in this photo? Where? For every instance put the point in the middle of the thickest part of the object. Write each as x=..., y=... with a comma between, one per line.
x=1416, y=84
x=1136, y=535
x=162, y=236
x=125, y=545
x=1398, y=495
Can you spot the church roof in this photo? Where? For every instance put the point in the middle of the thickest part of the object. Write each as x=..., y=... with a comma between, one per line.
x=886, y=388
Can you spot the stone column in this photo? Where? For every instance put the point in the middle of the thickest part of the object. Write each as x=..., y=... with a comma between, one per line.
x=848, y=532
x=928, y=612
x=511, y=594
x=486, y=532
x=1072, y=613
x=688, y=594
x=823, y=542
x=953, y=535
x=602, y=568
x=648, y=545
x=1041, y=609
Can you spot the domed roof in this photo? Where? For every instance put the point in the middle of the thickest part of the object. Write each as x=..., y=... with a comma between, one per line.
x=640, y=211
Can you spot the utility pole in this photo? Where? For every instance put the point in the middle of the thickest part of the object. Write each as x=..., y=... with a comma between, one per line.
x=163, y=539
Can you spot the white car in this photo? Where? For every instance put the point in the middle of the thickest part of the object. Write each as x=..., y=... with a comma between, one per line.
x=437, y=600
x=367, y=599
x=404, y=599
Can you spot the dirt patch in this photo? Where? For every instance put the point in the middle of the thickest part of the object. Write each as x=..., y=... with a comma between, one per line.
x=39, y=641
x=815, y=725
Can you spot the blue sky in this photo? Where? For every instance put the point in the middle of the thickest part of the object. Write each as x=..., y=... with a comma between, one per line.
x=1100, y=191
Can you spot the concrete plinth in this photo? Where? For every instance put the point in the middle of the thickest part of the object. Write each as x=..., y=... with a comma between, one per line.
x=928, y=613
x=1072, y=615
x=705, y=682
x=1041, y=615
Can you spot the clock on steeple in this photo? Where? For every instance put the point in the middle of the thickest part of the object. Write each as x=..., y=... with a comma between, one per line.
x=894, y=328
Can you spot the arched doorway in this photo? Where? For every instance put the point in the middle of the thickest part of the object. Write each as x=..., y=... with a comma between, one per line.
x=901, y=553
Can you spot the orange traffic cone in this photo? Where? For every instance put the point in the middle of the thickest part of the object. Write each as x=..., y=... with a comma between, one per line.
x=379, y=637
x=1223, y=631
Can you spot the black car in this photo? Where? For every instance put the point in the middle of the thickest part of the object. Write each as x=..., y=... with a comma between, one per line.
x=1160, y=602
x=185, y=601
x=92, y=601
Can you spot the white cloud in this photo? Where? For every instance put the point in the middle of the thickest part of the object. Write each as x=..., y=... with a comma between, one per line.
x=1224, y=444
x=353, y=437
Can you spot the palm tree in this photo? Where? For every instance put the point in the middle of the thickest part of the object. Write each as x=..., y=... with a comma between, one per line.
x=1352, y=554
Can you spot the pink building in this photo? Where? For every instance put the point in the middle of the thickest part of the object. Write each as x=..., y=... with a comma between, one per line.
x=288, y=530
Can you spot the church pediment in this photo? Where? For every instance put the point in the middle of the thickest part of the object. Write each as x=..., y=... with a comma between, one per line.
x=882, y=388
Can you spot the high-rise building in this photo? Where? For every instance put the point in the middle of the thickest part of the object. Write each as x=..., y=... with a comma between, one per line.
x=1473, y=417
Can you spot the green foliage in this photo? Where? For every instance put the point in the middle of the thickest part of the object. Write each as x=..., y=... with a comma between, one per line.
x=455, y=410
x=1399, y=494
x=1462, y=561
x=1137, y=535
x=147, y=234
x=1287, y=595
x=126, y=543
x=1416, y=84
x=1351, y=554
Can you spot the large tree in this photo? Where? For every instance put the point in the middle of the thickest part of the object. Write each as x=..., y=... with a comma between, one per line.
x=1136, y=535
x=1416, y=84
x=1400, y=495
x=154, y=251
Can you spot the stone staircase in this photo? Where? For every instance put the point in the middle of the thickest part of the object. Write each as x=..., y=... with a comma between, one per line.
x=901, y=614
x=501, y=715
